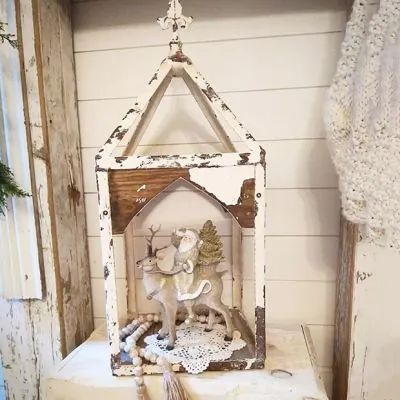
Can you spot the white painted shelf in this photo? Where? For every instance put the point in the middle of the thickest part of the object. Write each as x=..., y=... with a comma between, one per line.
x=86, y=375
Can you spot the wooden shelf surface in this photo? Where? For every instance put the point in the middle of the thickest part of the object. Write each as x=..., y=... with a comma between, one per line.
x=290, y=374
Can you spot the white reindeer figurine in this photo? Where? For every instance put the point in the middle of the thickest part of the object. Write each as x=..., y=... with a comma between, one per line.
x=161, y=286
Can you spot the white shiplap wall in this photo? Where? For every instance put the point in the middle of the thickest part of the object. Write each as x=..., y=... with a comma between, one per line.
x=271, y=61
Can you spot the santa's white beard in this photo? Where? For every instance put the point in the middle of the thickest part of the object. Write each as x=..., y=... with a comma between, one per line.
x=186, y=245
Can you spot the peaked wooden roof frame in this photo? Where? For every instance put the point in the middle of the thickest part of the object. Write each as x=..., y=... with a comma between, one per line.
x=136, y=120
x=130, y=190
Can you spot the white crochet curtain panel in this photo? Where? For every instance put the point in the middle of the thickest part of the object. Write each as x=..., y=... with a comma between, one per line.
x=363, y=121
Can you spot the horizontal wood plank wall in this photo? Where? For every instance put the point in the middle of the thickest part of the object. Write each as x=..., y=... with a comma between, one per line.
x=271, y=61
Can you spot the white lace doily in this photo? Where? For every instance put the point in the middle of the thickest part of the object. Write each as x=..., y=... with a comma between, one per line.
x=195, y=348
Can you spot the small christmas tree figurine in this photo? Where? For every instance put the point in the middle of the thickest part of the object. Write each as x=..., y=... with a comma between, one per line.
x=211, y=251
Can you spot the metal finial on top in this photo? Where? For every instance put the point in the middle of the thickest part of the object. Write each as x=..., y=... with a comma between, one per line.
x=178, y=21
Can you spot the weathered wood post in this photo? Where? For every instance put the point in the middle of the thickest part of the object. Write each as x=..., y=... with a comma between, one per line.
x=37, y=334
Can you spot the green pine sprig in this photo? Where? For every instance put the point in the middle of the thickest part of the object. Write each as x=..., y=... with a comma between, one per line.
x=8, y=187
x=7, y=37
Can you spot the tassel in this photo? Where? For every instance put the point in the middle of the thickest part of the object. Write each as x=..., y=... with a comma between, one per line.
x=142, y=393
x=172, y=386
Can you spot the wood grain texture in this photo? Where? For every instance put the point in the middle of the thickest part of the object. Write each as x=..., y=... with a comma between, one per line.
x=343, y=316
x=67, y=200
x=130, y=268
x=131, y=190
x=291, y=212
x=375, y=345
x=35, y=335
x=21, y=275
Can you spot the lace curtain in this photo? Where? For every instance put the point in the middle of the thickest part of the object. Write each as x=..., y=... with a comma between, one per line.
x=363, y=121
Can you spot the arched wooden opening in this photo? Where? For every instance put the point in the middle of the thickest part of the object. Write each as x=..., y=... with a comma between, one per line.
x=131, y=190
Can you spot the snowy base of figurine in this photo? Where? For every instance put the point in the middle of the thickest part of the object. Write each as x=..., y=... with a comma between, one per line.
x=194, y=349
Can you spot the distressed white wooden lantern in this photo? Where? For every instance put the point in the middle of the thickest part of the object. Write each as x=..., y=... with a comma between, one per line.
x=235, y=180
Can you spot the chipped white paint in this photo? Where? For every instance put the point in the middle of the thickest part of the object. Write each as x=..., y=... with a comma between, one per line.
x=177, y=21
x=108, y=263
x=221, y=175
x=133, y=120
x=20, y=276
x=180, y=161
x=249, y=363
x=36, y=334
x=224, y=183
x=375, y=345
x=30, y=332
x=259, y=228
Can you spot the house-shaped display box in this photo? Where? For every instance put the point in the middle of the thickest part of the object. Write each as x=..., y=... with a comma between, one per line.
x=235, y=181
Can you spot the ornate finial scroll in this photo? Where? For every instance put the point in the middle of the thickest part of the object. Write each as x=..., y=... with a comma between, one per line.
x=178, y=21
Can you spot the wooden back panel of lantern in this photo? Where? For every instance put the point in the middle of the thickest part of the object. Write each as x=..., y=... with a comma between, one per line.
x=235, y=180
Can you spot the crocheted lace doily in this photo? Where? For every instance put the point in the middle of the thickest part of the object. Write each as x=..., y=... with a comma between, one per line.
x=195, y=348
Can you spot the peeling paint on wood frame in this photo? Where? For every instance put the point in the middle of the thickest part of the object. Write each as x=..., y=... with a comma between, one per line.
x=106, y=216
x=109, y=266
x=128, y=183
x=134, y=118
x=238, y=198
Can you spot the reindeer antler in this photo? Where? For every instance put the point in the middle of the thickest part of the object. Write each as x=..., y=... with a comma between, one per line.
x=150, y=251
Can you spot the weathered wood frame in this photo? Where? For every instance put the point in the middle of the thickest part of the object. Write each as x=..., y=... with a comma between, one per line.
x=126, y=175
x=35, y=335
x=344, y=321
x=21, y=265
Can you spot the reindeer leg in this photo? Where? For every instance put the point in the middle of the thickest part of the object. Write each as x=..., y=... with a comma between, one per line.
x=189, y=306
x=224, y=310
x=211, y=320
x=163, y=332
x=170, y=311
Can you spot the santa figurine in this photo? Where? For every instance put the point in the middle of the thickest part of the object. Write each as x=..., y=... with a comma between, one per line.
x=187, y=243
